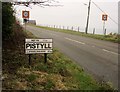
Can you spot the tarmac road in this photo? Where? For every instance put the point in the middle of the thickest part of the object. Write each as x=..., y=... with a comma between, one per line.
x=99, y=58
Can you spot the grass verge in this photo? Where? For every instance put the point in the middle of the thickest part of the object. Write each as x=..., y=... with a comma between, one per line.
x=111, y=37
x=59, y=73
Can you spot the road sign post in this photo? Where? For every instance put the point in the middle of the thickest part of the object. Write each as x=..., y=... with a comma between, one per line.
x=33, y=46
x=104, y=18
x=25, y=14
x=104, y=27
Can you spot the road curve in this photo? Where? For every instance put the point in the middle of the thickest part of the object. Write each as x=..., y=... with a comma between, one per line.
x=97, y=57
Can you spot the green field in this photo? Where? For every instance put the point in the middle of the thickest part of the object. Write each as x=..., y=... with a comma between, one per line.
x=111, y=37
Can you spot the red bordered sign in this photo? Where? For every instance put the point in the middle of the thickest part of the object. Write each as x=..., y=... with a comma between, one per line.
x=25, y=14
x=104, y=17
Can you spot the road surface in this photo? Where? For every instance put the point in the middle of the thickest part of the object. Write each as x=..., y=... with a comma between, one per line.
x=97, y=57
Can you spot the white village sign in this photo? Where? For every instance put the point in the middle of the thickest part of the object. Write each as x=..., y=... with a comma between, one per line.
x=33, y=46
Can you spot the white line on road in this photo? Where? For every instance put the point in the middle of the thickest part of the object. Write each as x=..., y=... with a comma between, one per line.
x=109, y=51
x=53, y=34
x=74, y=40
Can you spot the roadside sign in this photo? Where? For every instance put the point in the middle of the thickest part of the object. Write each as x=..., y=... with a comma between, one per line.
x=33, y=46
x=104, y=17
x=25, y=14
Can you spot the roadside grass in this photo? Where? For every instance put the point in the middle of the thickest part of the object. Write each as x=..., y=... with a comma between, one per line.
x=59, y=73
x=111, y=37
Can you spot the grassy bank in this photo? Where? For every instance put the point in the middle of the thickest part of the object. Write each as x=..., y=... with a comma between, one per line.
x=59, y=73
x=111, y=37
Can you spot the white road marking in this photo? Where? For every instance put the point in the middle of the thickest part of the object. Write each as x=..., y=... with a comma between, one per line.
x=109, y=51
x=53, y=34
x=74, y=41
x=92, y=46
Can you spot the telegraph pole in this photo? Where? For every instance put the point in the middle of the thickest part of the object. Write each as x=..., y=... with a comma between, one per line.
x=88, y=17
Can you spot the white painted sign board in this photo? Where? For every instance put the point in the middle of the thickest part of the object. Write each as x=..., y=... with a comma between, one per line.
x=33, y=46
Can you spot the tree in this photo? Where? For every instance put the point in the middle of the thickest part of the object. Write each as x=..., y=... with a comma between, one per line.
x=7, y=19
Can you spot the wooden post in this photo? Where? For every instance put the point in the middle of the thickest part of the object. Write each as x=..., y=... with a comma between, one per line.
x=29, y=59
x=45, y=57
x=94, y=31
x=78, y=29
x=72, y=27
x=67, y=27
x=63, y=27
x=59, y=27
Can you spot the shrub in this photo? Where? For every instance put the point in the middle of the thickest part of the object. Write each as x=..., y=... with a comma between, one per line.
x=7, y=19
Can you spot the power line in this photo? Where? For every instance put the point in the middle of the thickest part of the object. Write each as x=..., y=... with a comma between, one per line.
x=104, y=12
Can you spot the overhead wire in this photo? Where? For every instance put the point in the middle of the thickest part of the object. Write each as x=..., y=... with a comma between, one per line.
x=104, y=12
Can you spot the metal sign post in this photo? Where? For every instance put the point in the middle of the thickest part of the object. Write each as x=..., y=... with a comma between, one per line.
x=104, y=18
x=104, y=27
x=25, y=16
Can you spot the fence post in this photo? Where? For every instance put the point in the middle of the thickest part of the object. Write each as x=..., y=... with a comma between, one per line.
x=59, y=27
x=72, y=27
x=94, y=31
x=78, y=29
x=63, y=27
x=45, y=57
x=29, y=56
x=67, y=27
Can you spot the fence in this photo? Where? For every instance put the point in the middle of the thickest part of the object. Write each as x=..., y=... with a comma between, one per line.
x=74, y=28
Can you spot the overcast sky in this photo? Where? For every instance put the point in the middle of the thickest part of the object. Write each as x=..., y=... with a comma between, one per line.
x=74, y=13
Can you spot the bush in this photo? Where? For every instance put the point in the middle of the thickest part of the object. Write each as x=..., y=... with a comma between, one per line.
x=7, y=19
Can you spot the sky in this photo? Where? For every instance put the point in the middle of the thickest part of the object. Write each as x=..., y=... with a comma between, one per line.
x=74, y=13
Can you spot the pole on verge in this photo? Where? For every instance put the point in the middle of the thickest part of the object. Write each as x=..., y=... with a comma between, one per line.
x=25, y=23
x=105, y=31
x=104, y=27
x=88, y=17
